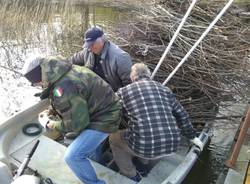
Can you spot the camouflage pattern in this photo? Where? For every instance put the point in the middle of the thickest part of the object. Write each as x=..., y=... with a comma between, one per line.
x=80, y=97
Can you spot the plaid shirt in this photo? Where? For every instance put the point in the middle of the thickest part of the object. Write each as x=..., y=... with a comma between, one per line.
x=155, y=118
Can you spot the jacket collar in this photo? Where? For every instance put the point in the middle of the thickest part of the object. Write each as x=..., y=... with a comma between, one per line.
x=142, y=78
x=105, y=50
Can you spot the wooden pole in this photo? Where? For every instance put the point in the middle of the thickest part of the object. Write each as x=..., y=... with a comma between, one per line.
x=236, y=149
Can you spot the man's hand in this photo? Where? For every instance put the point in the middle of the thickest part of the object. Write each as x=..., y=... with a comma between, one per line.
x=43, y=118
x=51, y=124
x=47, y=120
x=196, y=141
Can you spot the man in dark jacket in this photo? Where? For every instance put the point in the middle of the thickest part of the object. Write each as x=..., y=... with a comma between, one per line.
x=104, y=58
x=86, y=104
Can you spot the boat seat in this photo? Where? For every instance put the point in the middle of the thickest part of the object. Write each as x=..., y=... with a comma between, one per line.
x=48, y=161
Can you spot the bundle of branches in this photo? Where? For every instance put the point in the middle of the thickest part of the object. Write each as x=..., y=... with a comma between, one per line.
x=216, y=71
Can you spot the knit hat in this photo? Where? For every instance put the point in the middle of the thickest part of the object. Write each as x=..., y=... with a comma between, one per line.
x=32, y=69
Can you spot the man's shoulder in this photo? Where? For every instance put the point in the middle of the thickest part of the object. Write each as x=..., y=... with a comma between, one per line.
x=131, y=88
x=146, y=85
x=63, y=92
x=116, y=49
x=80, y=70
x=161, y=86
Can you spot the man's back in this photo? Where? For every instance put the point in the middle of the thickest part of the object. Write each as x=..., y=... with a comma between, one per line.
x=152, y=112
x=81, y=97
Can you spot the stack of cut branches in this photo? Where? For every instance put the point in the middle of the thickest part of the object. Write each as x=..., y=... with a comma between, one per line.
x=217, y=71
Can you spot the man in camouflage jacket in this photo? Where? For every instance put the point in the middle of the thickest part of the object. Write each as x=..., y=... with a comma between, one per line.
x=86, y=104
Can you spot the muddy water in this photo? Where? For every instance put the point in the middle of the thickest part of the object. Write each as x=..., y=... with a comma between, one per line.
x=56, y=28
x=210, y=168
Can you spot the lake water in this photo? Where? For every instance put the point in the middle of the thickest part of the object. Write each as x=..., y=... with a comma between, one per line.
x=47, y=28
x=56, y=28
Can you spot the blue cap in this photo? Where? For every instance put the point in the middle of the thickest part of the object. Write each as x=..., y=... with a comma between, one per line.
x=91, y=35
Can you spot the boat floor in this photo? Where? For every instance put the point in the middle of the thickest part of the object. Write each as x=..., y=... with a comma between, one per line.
x=48, y=162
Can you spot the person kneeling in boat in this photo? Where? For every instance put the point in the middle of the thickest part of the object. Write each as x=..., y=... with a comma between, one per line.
x=155, y=121
x=86, y=104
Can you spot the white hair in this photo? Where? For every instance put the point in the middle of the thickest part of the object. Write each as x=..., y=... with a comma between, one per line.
x=139, y=71
x=31, y=63
x=101, y=39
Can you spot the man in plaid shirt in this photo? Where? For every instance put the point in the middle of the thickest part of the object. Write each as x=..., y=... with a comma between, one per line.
x=155, y=121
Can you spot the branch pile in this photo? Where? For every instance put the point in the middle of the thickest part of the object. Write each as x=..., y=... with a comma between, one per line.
x=217, y=71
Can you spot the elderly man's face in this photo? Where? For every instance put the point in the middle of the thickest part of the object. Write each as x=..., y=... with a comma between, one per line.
x=96, y=47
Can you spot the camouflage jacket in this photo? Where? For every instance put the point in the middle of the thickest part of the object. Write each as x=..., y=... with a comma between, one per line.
x=80, y=97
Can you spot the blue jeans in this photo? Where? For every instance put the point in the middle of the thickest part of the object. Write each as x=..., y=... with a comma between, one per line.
x=86, y=145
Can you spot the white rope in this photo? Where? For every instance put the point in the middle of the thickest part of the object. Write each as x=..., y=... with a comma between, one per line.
x=173, y=38
x=198, y=41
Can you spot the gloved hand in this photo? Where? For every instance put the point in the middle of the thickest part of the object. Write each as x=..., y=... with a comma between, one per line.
x=196, y=141
x=47, y=120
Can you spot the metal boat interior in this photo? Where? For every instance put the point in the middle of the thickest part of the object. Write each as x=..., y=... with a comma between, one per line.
x=47, y=161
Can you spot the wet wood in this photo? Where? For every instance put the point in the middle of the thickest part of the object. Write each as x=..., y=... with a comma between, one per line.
x=248, y=176
x=240, y=139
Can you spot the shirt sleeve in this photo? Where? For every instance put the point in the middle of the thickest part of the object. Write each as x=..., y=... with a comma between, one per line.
x=182, y=119
x=75, y=118
x=71, y=106
x=118, y=93
x=78, y=58
x=124, y=65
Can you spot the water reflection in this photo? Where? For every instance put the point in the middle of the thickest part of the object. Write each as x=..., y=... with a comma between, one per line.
x=41, y=27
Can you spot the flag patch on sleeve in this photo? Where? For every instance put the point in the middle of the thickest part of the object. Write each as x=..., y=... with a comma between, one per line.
x=58, y=92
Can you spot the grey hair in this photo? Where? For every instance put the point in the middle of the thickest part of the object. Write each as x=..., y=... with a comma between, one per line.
x=139, y=71
x=101, y=39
